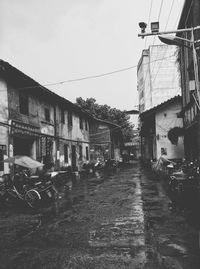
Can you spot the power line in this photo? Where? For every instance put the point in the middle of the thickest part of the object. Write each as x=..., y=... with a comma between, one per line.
x=155, y=36
x=87, y=77
x=166, y=49
x=108, y=131
x=148, y=21
x=160, y=9
x=175, y=24
x=169, y=15
x=94, y=76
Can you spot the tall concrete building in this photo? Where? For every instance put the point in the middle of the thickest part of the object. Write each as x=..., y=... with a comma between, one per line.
x=157, y=75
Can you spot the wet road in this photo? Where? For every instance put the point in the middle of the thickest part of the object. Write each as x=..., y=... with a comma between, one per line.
x=117, y=220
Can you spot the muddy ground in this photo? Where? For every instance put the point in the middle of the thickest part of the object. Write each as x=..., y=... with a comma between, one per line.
x=117, y=220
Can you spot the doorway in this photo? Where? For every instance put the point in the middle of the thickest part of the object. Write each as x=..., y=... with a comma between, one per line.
x=23, y=146
x=74, y=168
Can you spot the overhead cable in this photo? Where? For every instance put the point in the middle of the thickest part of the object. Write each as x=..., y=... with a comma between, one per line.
x=148, y=21
x=88, y=77
x=165, y=50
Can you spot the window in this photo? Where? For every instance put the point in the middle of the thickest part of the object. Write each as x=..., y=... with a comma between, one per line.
x=47, y=114
x=62, y=116
x=81, y=123
x=66, y=153
x=80, y=153
x=87, y=153
x=86, y=125
x=23, y=103
x=1, y=160
x=69, y=117
x=163, y=151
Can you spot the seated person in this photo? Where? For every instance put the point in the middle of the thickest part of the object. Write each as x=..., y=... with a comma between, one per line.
x=20, y=179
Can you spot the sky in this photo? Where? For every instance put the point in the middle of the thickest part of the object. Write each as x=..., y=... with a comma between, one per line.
x=65, y=40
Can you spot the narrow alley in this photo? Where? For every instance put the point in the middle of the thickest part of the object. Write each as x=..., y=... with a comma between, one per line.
x=122, y=219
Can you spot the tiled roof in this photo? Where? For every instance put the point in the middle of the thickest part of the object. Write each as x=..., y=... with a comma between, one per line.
x=28, y=83
x=156, y=108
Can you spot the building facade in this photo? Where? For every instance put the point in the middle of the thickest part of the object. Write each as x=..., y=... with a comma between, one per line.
x=157, y=75
x=105, y=140
x=156, y=124
x=190, y=17
x=38, y=123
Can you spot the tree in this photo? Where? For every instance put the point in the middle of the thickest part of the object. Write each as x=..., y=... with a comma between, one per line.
x=105, y=112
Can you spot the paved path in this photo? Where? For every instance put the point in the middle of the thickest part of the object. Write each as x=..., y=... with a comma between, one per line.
x=116, y=221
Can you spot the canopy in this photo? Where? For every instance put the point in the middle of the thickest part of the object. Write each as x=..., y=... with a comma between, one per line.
x=24, y=161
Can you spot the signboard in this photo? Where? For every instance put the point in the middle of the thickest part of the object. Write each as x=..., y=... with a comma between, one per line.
x=23, y=129
x=46, y=145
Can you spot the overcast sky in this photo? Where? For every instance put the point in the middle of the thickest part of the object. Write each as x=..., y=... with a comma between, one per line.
x=60, y=40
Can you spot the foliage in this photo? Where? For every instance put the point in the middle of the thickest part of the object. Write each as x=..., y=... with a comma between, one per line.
x=105, y=112
x=174, y=134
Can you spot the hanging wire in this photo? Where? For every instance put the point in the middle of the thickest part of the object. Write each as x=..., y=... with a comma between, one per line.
x=148, y=21
x=83, y=78
x=166, y=49
x=153, y=44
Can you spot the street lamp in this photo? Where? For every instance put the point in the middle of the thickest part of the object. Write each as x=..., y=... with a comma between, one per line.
x=178, y=41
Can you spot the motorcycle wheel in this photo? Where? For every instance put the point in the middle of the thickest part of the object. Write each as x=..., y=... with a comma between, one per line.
x=32, y=197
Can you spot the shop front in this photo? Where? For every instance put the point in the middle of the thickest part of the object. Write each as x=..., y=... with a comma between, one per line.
x=24, y=139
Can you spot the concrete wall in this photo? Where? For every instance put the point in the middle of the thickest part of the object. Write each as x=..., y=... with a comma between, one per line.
x=157, y=76
x=164, y=73
x=36, y=117
x=74, y=133
x=143, y=82
x=69, y=144
x=166, y=119
x=37, y=107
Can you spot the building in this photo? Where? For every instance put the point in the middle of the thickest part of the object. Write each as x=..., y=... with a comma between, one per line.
x=157, y=75
x=190, y=17
x=105, y=140
x=39, y=123
x=156, y=125
x=133, y=147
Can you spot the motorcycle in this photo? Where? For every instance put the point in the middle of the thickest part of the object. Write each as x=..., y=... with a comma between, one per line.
x=183, y=183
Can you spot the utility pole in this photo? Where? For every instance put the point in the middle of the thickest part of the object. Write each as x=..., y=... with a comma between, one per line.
x=176, y=41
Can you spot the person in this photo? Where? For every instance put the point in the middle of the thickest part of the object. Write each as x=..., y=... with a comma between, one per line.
x=20, y=178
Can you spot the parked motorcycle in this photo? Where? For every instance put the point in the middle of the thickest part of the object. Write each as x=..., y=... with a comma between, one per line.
x=185, y=181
